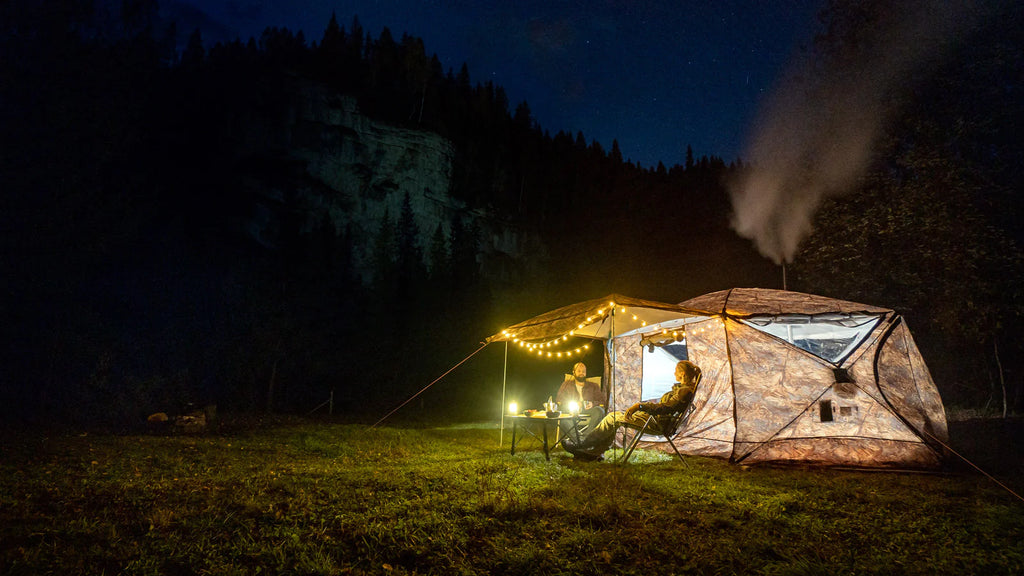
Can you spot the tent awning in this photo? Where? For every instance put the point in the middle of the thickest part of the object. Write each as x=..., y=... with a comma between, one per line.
x=595, y=319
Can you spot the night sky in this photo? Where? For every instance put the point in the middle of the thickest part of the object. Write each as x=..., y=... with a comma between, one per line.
x=655, y=75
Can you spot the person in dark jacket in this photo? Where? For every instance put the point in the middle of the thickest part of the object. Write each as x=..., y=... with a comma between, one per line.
x=600, y=437
x=577, y=388
x=588, y=397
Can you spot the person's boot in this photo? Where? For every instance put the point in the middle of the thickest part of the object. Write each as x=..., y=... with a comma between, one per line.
x=583, y=450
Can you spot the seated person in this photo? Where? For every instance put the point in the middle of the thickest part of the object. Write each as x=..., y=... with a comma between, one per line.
x=587, y=395
x=600, y=437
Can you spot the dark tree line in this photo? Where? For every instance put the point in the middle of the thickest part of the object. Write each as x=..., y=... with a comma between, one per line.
x=128, y=285
x=506, y=161
x=129, y=166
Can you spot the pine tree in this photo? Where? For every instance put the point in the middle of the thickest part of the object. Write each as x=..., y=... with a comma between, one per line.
x=439, y=258
x=385, y=69
x=194, y=53
x=410, y=269
x=347, y=280
x=384, y=260
x=333, y=41
x=415, y=75
x=465, y=273
x=523, y=118
x=326, y=245
x=331, y=53
x=616, y=154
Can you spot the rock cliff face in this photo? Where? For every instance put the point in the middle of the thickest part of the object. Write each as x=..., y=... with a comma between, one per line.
x=358, y=170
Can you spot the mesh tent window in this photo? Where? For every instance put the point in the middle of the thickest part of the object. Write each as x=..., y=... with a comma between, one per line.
x=831, y=337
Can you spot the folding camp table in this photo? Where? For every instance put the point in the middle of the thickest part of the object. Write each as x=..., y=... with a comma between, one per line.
x=529, y=424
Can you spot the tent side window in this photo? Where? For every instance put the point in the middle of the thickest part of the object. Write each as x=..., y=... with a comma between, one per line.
x=831, y=337
x=659, y=368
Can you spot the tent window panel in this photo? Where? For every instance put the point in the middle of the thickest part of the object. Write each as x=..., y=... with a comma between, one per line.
x=829, y=336
x=831, y=348
x=659, y=369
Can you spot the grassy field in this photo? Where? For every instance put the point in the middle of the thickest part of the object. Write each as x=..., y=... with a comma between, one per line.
x=300, y=497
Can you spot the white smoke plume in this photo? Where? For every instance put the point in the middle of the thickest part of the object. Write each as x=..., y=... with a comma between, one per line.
x=815, y=135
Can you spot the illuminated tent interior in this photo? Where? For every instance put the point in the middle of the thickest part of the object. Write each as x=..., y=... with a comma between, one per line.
x=788, y=377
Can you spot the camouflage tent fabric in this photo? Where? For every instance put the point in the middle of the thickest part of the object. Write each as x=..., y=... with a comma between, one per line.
x=863, y=398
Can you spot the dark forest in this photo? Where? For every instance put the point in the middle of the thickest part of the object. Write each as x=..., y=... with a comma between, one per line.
x=131, y=171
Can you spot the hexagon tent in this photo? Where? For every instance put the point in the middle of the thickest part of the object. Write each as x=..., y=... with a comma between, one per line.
x=788, y=377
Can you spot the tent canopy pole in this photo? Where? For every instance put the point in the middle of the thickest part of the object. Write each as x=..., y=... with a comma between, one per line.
x=501, y=411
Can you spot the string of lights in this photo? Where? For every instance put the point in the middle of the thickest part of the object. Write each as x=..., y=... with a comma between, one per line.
x=556, y=348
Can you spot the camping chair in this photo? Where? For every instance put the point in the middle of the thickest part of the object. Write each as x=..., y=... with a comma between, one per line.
x=668, y=425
